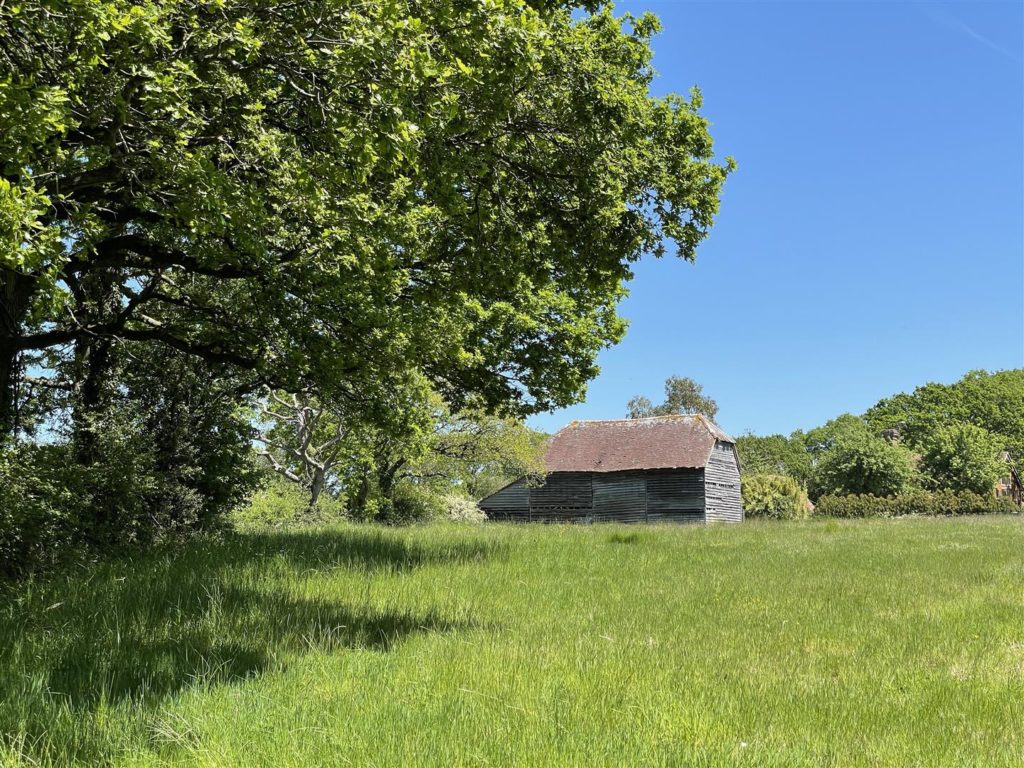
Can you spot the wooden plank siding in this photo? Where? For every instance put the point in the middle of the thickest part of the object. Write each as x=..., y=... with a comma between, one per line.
x=675, y=496
x=722, y=485
x=620, y=497
x=637, y=496
x=511, y=503
x=563, y=495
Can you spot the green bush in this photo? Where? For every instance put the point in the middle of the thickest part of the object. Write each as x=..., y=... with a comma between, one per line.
x=40, y=491
x=777, y=497
x=410, y=503
x=280, y=502
x=939, y=503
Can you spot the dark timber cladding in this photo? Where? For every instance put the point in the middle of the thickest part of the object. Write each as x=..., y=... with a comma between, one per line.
x=664, y=469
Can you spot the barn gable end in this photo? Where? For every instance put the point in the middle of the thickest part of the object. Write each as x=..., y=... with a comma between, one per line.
x=722, y=485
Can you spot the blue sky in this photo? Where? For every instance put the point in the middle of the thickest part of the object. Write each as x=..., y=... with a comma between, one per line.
x=873, y=237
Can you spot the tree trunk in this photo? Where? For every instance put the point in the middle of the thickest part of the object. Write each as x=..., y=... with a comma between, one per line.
x=316, y=489
x=93, y=361
x=362, y=495
x=16, y=292
x=386, y=478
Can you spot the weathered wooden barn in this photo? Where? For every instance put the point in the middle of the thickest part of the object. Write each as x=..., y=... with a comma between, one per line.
x=663, y=469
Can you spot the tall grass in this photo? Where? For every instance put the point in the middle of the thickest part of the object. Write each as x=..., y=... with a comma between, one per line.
x=806, y=644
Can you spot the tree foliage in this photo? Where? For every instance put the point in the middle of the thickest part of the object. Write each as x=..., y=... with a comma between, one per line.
x=423, y=448
x=204, y=201
x=775, y=455
x=963, y=457
x=853, y=460
x=991, y=401
x=682, y=396
x=476, y=453
x=329, y=193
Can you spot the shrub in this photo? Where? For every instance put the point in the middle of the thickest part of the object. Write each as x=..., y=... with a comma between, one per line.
x=939, y=503
x=280, y=502
x=463, y=509
x=411, y=503
x=40, y=491
x=777, y=497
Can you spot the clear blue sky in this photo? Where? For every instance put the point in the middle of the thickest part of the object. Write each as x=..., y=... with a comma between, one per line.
x=873, y=237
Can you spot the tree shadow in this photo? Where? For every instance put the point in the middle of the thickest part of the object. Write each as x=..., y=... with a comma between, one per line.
x=222, y=635
x=370, y=549
x=137, y=633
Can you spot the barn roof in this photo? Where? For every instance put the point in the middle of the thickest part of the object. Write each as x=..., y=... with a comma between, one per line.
x=659, y=442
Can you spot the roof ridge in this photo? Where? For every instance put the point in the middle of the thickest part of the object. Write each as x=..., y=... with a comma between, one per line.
x=672, y=416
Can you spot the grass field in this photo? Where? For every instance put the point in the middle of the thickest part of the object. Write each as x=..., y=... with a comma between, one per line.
x=895, y=642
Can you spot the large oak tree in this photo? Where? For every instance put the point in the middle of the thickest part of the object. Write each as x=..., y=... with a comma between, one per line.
x=327, y=192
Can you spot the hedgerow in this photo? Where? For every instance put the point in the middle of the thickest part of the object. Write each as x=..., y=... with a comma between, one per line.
x=937, y=503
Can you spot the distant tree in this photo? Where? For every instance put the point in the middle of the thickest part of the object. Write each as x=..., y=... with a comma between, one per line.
x=334, y=447
x=775, y=455
x=333, y=444
x=992, y=401
x=477, y=453
x=853, y=460
x=962, y=457
x=820, y=439
x=682, y=396
x=304, y=441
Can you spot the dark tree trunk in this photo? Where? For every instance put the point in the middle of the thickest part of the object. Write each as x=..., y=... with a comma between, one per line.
x=92, y=365
x=386, y=477
x=362, y=495
x=16, y=292
x=316, y=488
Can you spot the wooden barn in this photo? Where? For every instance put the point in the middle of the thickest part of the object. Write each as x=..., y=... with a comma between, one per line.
x=664, y=469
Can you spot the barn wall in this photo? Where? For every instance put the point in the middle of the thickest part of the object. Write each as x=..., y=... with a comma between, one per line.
x=722, y=481
x=510, y=503
x=675, y=495
x=564, y=497
x=620, y=497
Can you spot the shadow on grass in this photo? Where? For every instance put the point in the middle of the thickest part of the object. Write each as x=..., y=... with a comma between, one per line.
x=136, y=633
x=368, y=549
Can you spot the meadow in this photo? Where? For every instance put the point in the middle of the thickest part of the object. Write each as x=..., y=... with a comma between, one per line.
x=854, y=643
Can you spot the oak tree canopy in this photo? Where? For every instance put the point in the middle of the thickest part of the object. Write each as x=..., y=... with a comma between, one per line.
x=326, y=193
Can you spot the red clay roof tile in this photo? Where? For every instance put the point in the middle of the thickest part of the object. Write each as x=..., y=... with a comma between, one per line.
x=660, y=442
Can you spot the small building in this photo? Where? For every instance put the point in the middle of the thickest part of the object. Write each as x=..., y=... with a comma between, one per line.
x=680, y=469
x=1010, y=485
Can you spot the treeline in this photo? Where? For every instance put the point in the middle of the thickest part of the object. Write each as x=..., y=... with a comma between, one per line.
x=959, y=438
x=340, y=236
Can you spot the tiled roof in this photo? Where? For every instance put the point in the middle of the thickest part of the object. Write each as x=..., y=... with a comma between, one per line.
x=660, y=442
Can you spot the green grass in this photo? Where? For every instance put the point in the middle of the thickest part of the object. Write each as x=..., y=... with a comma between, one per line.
x=895, y=642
